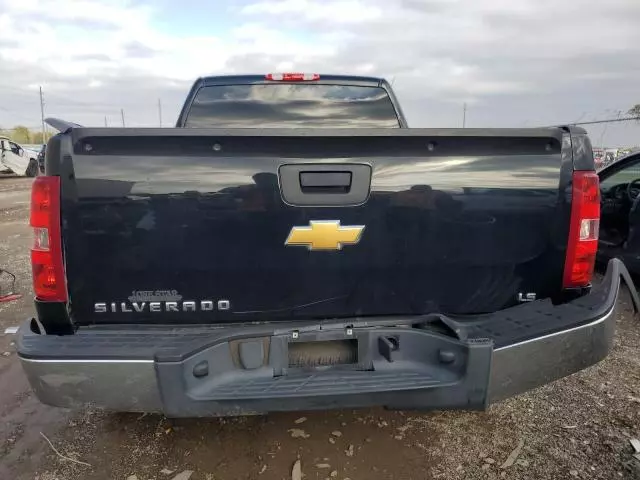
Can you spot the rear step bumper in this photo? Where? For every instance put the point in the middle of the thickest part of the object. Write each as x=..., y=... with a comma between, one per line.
x=248, y=370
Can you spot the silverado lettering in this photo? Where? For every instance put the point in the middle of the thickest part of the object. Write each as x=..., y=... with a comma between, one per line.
x=142, y=307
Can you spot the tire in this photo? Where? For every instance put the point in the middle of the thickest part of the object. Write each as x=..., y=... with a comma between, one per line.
x=32, y=169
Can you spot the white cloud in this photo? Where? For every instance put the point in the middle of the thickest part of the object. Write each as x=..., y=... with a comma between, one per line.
x=514, y=62
x=83, y=52
x=338, y=11
x=120, y=13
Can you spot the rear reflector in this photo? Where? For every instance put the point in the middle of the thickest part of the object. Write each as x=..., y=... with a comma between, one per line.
x=583, y=231
x=292, y=77
x=46, y=253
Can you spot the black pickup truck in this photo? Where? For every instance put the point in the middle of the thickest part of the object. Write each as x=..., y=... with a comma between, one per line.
x=292, y=244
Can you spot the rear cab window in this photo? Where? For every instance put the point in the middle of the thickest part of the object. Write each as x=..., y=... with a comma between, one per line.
x=288, y=105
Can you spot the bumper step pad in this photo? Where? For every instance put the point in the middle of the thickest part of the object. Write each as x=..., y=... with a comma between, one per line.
x=324, y=383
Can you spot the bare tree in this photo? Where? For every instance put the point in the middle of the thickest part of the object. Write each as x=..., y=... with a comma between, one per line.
x=21, y=134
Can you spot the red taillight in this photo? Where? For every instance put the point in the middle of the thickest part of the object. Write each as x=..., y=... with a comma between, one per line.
x=46, y=253
x=583, y=231
x=292, y=77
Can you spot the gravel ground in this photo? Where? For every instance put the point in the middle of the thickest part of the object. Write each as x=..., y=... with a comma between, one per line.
x=578, y=427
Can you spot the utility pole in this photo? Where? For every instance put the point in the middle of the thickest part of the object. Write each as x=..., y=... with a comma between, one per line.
x=160, y=112
x=44, y=140
x=122, y=115
x=105, y=121
x=464, y=115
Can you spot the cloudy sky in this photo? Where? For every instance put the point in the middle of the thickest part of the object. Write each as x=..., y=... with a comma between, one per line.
x=514, y=62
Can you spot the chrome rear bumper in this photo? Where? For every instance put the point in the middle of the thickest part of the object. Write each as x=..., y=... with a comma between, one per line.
x=483, y=372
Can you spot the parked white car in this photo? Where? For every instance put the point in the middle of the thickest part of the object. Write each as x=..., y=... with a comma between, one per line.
x=17, y=159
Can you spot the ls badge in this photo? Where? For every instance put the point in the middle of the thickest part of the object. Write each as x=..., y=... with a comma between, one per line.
x=324, y=235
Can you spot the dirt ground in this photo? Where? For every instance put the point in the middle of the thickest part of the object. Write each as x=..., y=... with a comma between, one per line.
x=578, y=427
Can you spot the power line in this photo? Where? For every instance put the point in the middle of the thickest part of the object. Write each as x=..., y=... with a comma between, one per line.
x=606, y=127
x=53, y=96
x=611, y=120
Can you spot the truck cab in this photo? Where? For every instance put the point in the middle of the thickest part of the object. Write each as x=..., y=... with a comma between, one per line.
x=293, y=100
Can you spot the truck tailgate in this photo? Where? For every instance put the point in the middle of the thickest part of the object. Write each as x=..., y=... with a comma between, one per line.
x=215, y=226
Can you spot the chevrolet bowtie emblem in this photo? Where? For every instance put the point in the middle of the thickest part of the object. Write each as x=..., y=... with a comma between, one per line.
x=324, y=235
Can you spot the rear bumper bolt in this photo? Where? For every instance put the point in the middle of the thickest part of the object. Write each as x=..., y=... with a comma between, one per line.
x=201, y=369
x=446, y=356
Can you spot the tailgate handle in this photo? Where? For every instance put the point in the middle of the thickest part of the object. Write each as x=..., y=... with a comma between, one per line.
x=325, y=182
